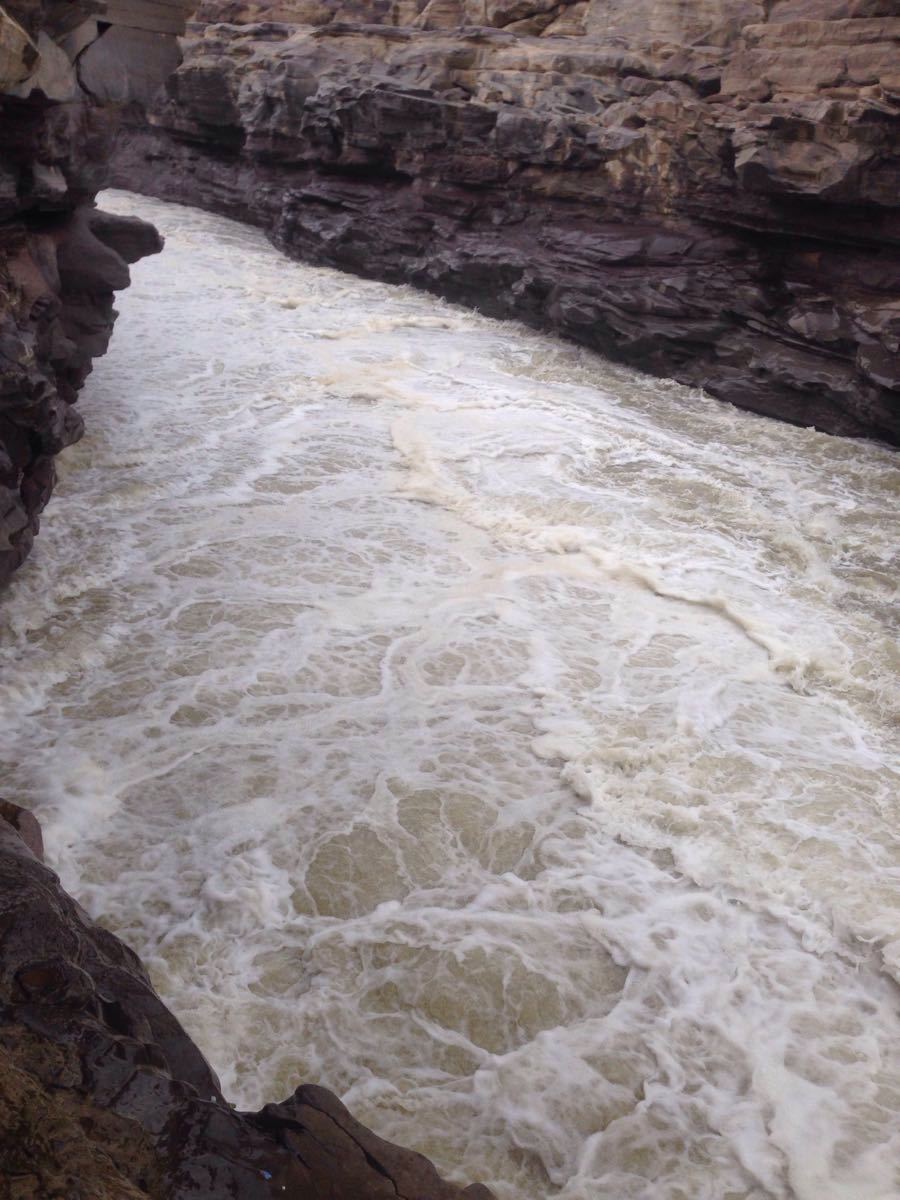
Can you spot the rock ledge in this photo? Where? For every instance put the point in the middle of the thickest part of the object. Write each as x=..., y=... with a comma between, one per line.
x=708, y=191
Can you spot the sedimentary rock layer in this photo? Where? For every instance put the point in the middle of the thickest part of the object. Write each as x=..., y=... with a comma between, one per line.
x=104, y=1097
x=708, y=191
x=60, y=259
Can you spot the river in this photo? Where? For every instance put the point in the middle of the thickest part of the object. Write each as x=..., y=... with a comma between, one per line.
x=498, y=736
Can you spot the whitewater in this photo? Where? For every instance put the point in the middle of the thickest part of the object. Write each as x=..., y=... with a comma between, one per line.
x=493, y=734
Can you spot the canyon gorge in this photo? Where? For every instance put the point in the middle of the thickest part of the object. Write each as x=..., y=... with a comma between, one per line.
x=707, y=193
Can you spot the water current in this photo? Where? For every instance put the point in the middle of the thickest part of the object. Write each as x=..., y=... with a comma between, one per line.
x=493, y=734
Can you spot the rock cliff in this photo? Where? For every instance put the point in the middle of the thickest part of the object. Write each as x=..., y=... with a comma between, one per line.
x=61, y=260
x=708, y=190
x=102, y=1094
x=104, y=1097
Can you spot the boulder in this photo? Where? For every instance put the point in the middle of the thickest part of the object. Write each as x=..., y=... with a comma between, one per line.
x=52, y=76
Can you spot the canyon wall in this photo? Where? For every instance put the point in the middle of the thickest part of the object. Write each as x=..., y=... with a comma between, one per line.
x=61, y=260
x=102, y=1094
x=708, y=191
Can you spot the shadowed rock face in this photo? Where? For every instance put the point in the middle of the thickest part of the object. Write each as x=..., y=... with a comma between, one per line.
x=102, y=1094
x=104, y=1097
x=706, y=190
x=60, y=259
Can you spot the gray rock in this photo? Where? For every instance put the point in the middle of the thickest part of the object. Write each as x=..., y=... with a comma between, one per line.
x=80, y=38
x=128, y=65
x=18, y=53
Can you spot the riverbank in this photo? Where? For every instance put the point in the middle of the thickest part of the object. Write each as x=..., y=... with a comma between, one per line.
x=707, y=193
x=496, y=735
x=103, y=1094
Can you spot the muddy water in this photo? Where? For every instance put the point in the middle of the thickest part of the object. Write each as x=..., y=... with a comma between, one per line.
x=497, y=736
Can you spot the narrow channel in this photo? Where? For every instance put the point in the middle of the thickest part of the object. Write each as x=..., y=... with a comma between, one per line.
x=493, y=734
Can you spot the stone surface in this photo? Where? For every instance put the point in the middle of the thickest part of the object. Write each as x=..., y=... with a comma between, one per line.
x=128, y=65
x=708, y=191
x=60, y=260
x=25, y=824
x=157, y=16
x=53, y=77
x=18, y=53
x=103, y=1095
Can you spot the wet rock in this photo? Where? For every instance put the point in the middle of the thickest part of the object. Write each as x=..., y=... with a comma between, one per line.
x=130, y=238
x=535, y=159
x=26, y=825
x=60, y=260
x=102, y=1093
x=314, y=1125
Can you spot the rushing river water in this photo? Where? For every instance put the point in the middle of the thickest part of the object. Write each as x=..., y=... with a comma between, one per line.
x=495, y=735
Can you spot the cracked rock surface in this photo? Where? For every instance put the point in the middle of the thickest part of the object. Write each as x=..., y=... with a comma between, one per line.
x=708, y=191
x=61, y=261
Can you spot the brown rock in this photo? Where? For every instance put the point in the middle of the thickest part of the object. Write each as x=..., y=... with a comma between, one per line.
x=18, y=53
x=155, y=16
x=52, y=75
x=537, y=168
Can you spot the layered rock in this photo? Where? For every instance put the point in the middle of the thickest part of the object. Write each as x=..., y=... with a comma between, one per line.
x=60, y=259
x=708, y=191
x=102, y=1094
x=104, y=1097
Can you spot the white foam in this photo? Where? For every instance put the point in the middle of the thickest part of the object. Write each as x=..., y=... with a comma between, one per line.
x=490, y=733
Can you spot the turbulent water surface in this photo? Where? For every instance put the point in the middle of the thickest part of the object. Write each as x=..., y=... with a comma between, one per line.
x=493, y=734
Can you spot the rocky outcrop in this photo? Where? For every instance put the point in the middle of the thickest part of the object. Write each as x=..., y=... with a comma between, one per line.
x=60, y=259
x=102, y=1094
x=104, y=1097
x=708, y=190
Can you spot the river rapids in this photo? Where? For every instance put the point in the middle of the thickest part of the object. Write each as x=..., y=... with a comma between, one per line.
x=491, y=733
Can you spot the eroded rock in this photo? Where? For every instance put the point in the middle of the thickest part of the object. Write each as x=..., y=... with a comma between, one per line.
x=60, y=260
x=685, y=187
